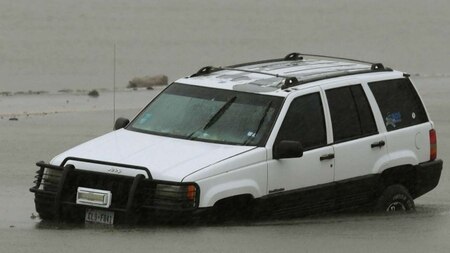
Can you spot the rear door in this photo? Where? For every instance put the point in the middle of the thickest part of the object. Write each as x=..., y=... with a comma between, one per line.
x=357, y=143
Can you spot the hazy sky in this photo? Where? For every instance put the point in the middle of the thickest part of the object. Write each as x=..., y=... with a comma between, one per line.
x=57, y=44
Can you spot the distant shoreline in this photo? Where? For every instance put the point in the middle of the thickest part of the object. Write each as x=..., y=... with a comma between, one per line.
x=125, y=89
x=44, y=103
x=56, y=92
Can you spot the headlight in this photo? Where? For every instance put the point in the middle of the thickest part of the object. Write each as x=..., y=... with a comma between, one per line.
x=181, y=195
x=50, y=179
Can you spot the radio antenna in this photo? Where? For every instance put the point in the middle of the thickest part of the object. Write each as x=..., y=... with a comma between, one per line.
x=114, y=86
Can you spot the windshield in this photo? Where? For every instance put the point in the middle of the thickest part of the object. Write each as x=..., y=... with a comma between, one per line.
x=207, y=114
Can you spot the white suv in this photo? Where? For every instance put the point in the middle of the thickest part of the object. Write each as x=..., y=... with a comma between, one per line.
x=296, y=135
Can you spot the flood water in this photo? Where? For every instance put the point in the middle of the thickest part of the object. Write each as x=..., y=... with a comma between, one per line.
x=65, y=44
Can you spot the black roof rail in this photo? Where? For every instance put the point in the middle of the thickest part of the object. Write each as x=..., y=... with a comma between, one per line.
x=253, y=71
x=373, y=65
x=255, y=62
x=377, y=67
x=334, y=57
x=210, y=69
x=290, y=82
x=293, y=57
x=289, y=57
x=339, y=74
x=205, y=70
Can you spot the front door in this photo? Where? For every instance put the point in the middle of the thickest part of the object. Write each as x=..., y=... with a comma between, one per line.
x=298, y=183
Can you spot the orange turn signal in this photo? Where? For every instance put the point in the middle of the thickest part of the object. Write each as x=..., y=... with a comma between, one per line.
x=191, y=192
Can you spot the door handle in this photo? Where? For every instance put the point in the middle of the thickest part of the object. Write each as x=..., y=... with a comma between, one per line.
x=327, y=157
x=378, y=144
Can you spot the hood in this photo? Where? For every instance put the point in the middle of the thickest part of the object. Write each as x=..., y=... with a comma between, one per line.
x=166, y=158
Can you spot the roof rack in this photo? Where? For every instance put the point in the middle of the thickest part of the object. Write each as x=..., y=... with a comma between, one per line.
x=334, y=57
x=291, y=81
x=300, y=56
x=205, y=71
x=334, y=75
x=210, y=69
x=374, y=66
x=289, y=57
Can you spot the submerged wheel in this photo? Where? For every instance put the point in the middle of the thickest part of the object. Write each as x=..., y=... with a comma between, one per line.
x=46, y=216
x=239, y=208
x=395, y=198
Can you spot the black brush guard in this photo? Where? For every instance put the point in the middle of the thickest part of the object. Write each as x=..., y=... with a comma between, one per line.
x=56, y=187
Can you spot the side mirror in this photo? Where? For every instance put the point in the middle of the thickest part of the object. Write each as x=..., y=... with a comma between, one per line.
x=288, y=149
x=121, y=123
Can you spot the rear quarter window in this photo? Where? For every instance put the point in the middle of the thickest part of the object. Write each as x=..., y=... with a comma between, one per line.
x=399, y=103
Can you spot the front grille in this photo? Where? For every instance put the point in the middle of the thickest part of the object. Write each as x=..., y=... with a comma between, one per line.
x=56, y=190
x=119, y=186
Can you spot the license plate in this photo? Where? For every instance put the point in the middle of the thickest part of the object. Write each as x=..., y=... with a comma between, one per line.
x=99, y=216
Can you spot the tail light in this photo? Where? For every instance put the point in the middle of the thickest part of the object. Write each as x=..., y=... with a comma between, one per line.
x=433, y=145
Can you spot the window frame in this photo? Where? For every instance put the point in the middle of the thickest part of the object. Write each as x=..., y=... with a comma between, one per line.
x=412, y=88
x=362, y=84
x=285, y=110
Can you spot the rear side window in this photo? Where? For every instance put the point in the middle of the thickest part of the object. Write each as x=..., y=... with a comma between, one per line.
x=399, y=103
x=305, y=122
x=351, y=114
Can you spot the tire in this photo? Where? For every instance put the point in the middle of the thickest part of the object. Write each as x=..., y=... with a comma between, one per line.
x=235, y=209
x=395, y=198
x=46, y=216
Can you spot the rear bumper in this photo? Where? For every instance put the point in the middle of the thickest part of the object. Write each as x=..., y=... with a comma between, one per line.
x=427, y=176
x=133, y=198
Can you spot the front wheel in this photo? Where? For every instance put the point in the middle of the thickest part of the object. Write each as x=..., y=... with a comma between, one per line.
x=395, y=198
x=46, y=216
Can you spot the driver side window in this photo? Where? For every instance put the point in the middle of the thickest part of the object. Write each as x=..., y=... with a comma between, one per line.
x=305, y=122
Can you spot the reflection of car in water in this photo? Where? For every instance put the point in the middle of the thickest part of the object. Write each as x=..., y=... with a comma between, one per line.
x=296, y=135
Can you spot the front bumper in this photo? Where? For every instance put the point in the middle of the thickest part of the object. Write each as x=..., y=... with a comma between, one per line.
x=133, y=198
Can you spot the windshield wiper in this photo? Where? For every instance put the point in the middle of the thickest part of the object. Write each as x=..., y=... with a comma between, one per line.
x=215, y=117
x=261, y=121
x=219, y=113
